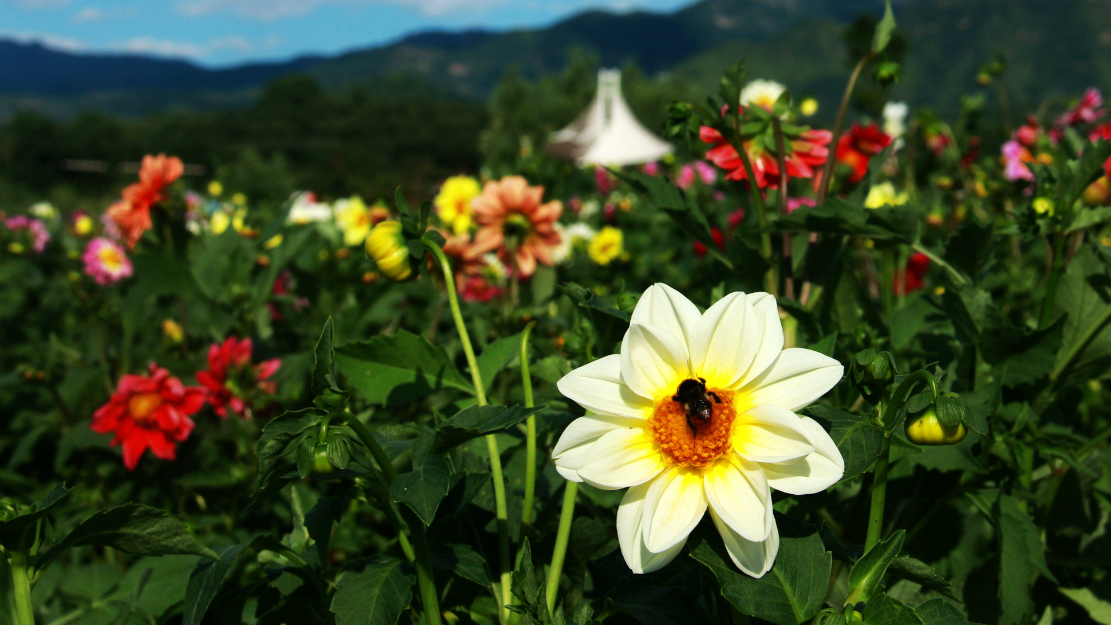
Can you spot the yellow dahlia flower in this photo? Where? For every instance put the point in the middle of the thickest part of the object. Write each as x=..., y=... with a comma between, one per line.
x=605, y=246
x=453, y=203
x=884, y=194
x=354, y=219
x=640, y=434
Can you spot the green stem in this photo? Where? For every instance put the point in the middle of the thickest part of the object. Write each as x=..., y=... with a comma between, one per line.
x=762, y=218
x=786, y=252
x=828, y=168
x=530, y=435
x=425, y=580
x=501, y=513
x=958, y=279
x=24, y=613
x=879, y=491
x=1078, y=347
x=567, y=513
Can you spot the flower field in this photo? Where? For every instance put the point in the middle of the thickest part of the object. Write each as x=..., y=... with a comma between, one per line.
x=793, y=372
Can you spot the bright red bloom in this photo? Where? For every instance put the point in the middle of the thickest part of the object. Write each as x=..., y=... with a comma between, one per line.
x=1088, y=110
x=719, y=242
x=1028, y=133
x=917, y=266
x=1101, y=131
x=476, y=288
x=231, y=379
x=857, y=146
x=807, y=152
x=149, y=411
x=133, y=213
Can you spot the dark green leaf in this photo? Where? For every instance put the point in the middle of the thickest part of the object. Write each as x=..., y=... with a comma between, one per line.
x=475, y=421
x=324, y=367
x=463, y=561
x=589, y=299
x=888, y=611
x=970, y=249
x=967, y=307
x=950, y=410
x=921, y=573
x=13, y=530
x=422, y=489
x=132, y=528
x=205, y=581
x=497, y=355
x=396, y=369
x=304, y=456
x=318, y=522
x=867, y=574
x=939, y=612
x=1021, y=560
x=790, y=593
x=375, y=596
x=339, y=451
x=857, y=438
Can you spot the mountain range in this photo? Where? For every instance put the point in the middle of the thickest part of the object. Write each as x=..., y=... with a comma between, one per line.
x=1053, y=48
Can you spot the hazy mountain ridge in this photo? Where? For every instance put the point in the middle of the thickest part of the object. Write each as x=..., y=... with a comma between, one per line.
x=1053, y=48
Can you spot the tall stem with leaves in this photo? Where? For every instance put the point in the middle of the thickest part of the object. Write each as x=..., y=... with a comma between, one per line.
x=530, y=435
x=500, y=509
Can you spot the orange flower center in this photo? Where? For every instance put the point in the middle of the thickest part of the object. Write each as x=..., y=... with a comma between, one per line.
x=111, y=258
x=698, y=446
x=141, y=406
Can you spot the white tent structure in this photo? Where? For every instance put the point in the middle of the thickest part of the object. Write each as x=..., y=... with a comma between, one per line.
x=607, y=133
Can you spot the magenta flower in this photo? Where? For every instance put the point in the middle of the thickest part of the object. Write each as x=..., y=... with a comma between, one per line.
x=706, y=172
x=686, y=176
x=1014, y=154
x=39, y=235
x=106, y=262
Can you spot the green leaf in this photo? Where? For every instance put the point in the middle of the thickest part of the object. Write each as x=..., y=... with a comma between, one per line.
x=13, y=530
x=375, y=596
x=274, y=444
x=1021, y=356
x=826, y=345
x=950, y=410
x=1099, y=610
x=304, y=456
x=324, y=367
x=884, y=29
x=967, y=307
x=888, y=611
x=497, y=355
x=423, y=488
x=1021, y=560
x=939, y=612
x=132, y=528
x=857, y=438
x=790, y=593
x=1085, y=336
x=318, y=522
x=397, y=369
x=921, y=573
x=339, y=451
x=463, y=561
x=970, y=249
x=475, y=421
x=867, y=574
x=589, y=299
x=205, y=580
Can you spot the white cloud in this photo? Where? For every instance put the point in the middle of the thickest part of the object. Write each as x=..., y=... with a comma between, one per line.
x=270, y=10
x=40, y=4
x=88, y=14
x=148, y=45
x=63, y=44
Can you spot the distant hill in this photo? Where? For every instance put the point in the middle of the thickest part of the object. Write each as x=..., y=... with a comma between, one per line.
x=1053, y=48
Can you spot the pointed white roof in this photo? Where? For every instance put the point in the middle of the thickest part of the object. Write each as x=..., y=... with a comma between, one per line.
x=607, y=133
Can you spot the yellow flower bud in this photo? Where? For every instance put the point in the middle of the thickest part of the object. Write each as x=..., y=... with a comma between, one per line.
x=924, y=429
x=240, y=199
x=215, y=189
x=273, y=242
x=172, y=330
x=83, y=225
x=219, y=222
x=1043, y=206
x=809, y=107
x=387, y=247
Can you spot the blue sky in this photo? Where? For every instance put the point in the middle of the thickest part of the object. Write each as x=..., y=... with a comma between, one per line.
x=227, y=32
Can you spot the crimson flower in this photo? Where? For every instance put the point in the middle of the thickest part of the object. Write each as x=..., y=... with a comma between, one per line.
x=719, y=242
x=232, y=380
x=149, y=411
x=857, y=146
x=807, y=151
x=917, y=265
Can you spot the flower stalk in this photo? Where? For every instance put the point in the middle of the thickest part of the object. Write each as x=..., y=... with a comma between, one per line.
x=567, y=514
x=762, y=218
x=21, y=585
x=828, y=168
x=500, y=508
x=530, y=435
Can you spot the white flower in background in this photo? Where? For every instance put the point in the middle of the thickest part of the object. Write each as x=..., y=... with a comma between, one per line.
x=580, y=234
x=494, y=268
x=562, y=251
x=590, y=207
x=636, y=434
x=895, y=120
x=306, y=209
x=43, y=210
x=762, y=93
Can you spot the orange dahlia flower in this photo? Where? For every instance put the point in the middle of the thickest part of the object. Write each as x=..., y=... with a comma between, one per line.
x=513, y=221
x=149, y=411
x=133, y=213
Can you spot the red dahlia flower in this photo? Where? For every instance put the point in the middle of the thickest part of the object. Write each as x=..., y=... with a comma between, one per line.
x=857, y=146
x=231, y=379
x=917, y=266
x=133, y=213
x=149, y=411
x=806, y=151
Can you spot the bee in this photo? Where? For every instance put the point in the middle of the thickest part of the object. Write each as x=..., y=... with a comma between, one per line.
x=693, y=395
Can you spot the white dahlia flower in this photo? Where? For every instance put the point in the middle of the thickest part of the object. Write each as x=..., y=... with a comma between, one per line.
x=720, y=442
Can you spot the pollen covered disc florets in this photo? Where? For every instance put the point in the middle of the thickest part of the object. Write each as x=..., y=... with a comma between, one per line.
x=683, y=445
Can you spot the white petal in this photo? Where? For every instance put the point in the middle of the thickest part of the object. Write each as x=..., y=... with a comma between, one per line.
x=722, y=347
x=771, y=434
x=571, y=451
x=674, y=505
x=663, y=306
x=797, y=377
x=753, y=558
x=738, y=493
x=598, y=387
x=621, y=458
x=771, y=332
x=812, y=473
x=654, y=361
x=631, y=535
